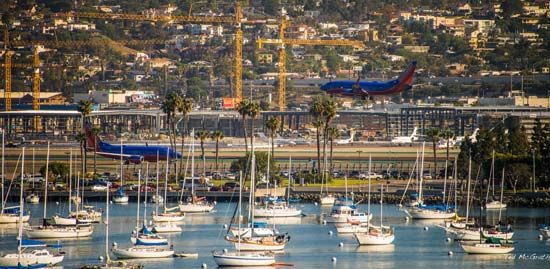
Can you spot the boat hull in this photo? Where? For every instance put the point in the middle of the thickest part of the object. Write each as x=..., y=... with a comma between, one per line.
x=495, y=205
x=277, y=213
x=12, y=218
x=348, y=228
x=243, y=259
x=120, y=199
x=63, y=221
x=155, y=241
x=29, y=259
x=168, y=218
x=142, y=253
x=247, y=232
x=545, y=233
x=58, y=232
x=170, y=228
x=33, y=199
x=327, y=200
x=368, y=239
x=430, y=214
x=344, y=218
x=486, y=249
x=196, y=208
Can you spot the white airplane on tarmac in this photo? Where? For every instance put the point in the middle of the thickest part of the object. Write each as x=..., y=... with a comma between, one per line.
x=346, y=141
x=442, y=144
x=406, y=139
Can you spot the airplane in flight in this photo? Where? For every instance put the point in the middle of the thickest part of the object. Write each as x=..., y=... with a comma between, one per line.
x=406, y=139
x=129, y=153
x=365, y=89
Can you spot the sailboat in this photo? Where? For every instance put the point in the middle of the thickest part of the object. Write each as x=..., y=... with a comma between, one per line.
x=277, y=208
x=325, y=199
x=166, y=216
x=423, y=211
x=143, y=235
x=48, y=231
x=120, y=196
x=376, y=235
x=496, y=204
x=254, y=242
x=195, y=204
x=25, y=257
x=238, y=258
x=490, y=245
x=9, y=214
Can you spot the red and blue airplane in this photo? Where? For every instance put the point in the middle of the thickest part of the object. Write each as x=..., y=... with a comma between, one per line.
x=129, y=153
x=364, y=89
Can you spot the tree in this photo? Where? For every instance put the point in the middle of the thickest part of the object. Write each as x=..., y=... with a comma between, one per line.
x=516, y=175
x=433, y=135
x=171, y=102
x=81, y=138
x=447, y=134
x=217, y=136
x=184, y=107
x=329, y=112
x=318, y=124
x=520, y=145
x=243, y=108
x=55, y=169
x=202, y=135
x=253, y=112
x=196, y=88
x=333, y=133
x=316, y=111
x=272, y=124
x=511, y=7
x=537, y=138
x=242, y=163
x=85, y=109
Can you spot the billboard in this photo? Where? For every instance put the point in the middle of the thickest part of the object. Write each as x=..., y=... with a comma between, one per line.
x=228, y=103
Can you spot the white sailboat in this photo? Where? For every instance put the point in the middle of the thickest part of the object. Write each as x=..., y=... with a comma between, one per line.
x=376, y=235
x=166, y=216
x=278, y=209
x=120, y=196
x=142, y=252
x=9, y=214
x=496, y=204
x=27, y=256
x=195, y=204
x=46, y=231
x=422, y=211
x=144, y=236
x=238, y=258
x=257, y=243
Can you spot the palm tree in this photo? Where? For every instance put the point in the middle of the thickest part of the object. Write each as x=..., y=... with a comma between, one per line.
x=171, y=102
x=447, y=134
x=95, y=132
x=333, y=133
x=318, y=124
x=272, y=124
x=81, y=138
x=85, y=109
x=184, y=107
x=253, y=112
x=329, y=112
x=217, y=136
x=243, y=108
x=202, y=135
x=433, y=135
x=316, y=111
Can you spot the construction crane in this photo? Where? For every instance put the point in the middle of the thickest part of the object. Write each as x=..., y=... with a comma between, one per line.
x=237, y=20
x=282, y=41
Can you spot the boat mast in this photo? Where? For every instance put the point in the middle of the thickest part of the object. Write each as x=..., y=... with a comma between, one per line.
x=369, y=176
x=501, y=195
x=157, y=190
x=77, y=192
x=267, y=174
x=145, y=199
x=166, y=189
x=138, y=199
x=70, y=178
x=33, y=162
x=46, y=182
x=421, y=175
x=468, y=188
x=21, y=208
x=381, y=202
x=108, y=259
x=455, y=180
x=491, y=177
x=3, y=171
x=252, y=189
x=193, y=166
x=166, y=174
x=121, y=171
x=240, y=210
x=289, y=178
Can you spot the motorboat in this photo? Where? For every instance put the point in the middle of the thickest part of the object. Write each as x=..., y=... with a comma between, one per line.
x=259, y=229
x=142, y=252
x=11, y=215
x=120, y=197
x=277, y=209
x=327, y=199
x=33, y=198
x=495, y=205
x=32, y=257
x=51, y=232
x=243, y=258
x=344, y=210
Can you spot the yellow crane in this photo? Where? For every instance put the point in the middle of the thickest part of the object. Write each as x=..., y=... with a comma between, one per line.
x=235, y=20
x=282, y=41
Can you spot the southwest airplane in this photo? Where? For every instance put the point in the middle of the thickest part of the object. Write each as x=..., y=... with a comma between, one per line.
x=129, y=153
x=364, y=89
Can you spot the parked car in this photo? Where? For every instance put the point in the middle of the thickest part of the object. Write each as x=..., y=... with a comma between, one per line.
x=230, y=186
x=99, y=187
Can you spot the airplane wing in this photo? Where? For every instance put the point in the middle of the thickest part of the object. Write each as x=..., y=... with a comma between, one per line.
x=127, y=157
